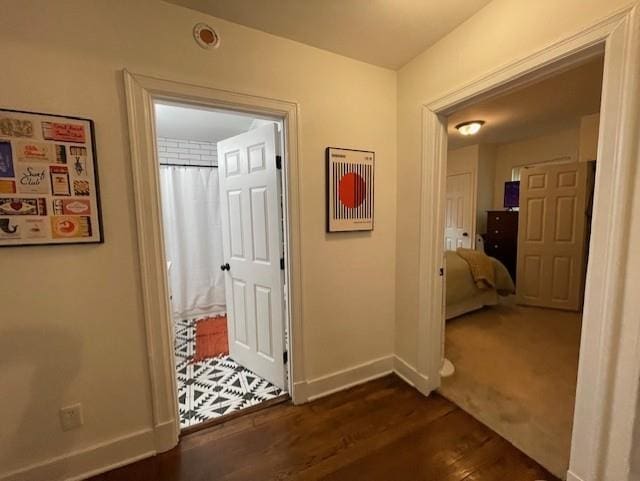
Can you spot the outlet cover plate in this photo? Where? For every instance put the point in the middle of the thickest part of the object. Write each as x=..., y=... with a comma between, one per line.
x=71, y=417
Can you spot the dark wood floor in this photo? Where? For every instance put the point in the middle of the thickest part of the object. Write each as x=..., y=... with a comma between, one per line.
x=382, y=430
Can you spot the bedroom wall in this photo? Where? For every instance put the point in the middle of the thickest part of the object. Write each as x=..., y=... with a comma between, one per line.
x=501, y=33
x=464, y=159
x=479, y=160
x=72, y=322
x=589, y=127
x=560, y=146
x=486, y=181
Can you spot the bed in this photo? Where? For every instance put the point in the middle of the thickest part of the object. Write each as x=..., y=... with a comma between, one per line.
x=465, y=291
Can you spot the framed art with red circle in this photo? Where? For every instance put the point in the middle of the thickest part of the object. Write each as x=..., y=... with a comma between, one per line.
x=350, y=181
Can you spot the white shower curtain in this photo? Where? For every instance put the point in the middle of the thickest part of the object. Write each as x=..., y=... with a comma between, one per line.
x=193, y=240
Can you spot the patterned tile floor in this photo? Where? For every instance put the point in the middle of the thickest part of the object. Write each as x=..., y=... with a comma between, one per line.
x=214, y=387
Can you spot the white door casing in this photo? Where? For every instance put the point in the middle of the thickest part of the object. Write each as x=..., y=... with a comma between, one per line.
x=142, y=92
x=250, y=193
x=459, y=211
x=552, y=235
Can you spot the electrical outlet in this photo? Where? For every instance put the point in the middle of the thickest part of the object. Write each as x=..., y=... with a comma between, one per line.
x=71, y=417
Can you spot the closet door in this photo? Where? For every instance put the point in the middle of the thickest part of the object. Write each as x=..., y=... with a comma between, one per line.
x=552, y=235
x=252, y=240
x=458, y=230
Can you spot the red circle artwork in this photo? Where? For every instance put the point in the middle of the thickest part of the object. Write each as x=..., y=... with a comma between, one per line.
x=351, y=190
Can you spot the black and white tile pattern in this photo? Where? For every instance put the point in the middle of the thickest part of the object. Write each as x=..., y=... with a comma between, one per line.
x=214, y=387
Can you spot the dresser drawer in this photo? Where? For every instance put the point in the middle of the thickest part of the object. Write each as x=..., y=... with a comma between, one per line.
x=494, y=248
x=497, y=233
x=502, y=218
x=502, y=221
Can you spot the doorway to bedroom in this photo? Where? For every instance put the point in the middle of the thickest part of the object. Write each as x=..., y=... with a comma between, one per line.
x=223, y=223
x=519, y=195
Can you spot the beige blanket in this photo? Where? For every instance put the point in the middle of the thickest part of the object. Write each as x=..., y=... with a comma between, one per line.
x=482, y=268
x=461, y=284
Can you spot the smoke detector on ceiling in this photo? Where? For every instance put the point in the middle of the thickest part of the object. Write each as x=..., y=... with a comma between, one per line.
x=205, y=36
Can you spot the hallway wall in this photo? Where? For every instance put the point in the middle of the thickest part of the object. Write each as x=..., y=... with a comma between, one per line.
x=72, y=321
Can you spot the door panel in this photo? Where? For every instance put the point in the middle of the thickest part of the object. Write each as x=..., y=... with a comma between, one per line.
x=535, y=220
x=236, y=235
x=531, y=287
x=260, y=224
x=239, y=305
x=561, y=278
x=565, y=219
x=552, y=235
x=252, y=237
x=264, y=322
x=231, y=163
x=459, y=230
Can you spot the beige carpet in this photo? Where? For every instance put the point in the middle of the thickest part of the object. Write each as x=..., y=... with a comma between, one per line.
x=516, y=371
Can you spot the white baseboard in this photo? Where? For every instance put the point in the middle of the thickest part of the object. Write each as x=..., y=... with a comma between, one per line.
x=124, y=450
x=346, y=378
x=299, y=394
x=166, y=435
x=305, y=391
x=411, y=376
x=572, y=477
x=93, y=460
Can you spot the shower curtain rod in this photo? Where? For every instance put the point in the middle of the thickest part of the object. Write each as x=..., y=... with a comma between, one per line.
x=190, y=165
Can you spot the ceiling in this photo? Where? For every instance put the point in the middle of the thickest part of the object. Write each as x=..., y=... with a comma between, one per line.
x=196, y=123
x=553, y=104
x=388, y=33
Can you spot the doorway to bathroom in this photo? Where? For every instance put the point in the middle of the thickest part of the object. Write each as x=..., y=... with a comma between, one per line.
x=221, y=184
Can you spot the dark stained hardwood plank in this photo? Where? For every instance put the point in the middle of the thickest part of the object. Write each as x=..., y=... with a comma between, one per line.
x=381, y=430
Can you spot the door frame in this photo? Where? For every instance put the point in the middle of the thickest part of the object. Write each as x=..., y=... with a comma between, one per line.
x=141, y=93
x=609, y=369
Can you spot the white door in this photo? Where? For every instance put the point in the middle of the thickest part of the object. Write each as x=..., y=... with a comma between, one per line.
x=552, y=235
x=252, y=240
x=458, y=229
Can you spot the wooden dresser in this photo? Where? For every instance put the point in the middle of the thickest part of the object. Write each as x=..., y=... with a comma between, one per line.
x=501, y=240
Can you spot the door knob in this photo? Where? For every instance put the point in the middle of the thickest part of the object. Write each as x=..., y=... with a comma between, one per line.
x=465, y=234
x=225, y=267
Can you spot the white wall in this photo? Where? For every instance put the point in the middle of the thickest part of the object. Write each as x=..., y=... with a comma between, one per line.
x=71, y=325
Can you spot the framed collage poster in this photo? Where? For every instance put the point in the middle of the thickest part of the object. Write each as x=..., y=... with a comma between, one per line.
x=48, y=180
x=350, y=176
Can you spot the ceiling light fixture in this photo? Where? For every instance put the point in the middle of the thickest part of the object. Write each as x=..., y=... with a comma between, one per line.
x=471, y=127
